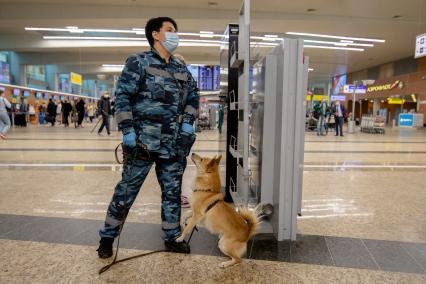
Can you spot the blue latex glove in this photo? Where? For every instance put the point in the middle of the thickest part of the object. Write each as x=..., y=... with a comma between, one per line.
x=186, y=127
x=129, y=139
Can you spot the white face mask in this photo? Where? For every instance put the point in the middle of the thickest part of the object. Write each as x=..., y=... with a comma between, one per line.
x=171, y=42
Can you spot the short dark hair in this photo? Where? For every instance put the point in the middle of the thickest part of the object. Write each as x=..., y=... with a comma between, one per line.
x=155, y=24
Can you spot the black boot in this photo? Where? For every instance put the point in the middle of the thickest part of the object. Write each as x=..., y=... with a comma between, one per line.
x=173, y=246
x=105, y=247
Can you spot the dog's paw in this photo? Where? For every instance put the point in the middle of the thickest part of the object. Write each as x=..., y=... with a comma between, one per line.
x=227, y=263
x=180, y=239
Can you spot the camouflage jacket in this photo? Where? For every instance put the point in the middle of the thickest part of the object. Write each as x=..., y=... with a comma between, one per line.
x=154, y=98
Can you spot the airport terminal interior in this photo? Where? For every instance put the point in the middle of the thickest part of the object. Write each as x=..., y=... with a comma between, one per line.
x=316, y=108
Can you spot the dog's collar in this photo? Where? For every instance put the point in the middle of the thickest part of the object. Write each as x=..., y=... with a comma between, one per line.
x=202, y=190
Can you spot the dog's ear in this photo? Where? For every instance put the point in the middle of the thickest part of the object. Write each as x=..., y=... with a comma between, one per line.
x=195, y=158
x=218, y=159
x=212, y=162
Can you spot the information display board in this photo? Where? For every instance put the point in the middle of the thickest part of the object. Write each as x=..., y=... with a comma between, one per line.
x=420, y=46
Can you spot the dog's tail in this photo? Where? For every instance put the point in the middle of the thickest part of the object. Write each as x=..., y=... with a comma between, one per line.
x=252, y=220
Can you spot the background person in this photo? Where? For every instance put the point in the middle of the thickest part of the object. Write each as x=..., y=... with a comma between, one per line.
x=81, y=109
x=59, y=112
x=21, y=113
x=339, y=112
x=4, y=117
x=91, y=112
x=51, y=111
x=322, y=114
x=66, y=110
x=42, y=114
x=105, y=111
x=220, y=121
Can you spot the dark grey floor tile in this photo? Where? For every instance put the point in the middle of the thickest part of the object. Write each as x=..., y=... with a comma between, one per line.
x=9, y=223
x=418, y=252
x=34, y=229
x=142, y=236
x=268, y=248
x=391, y=256
x=83, y=232
x=310, y=249
x=203, y=242
x=68, y=229
x=348, y=252
x=88, y=236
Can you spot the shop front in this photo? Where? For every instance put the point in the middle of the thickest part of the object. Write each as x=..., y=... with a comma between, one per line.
x=393, y=96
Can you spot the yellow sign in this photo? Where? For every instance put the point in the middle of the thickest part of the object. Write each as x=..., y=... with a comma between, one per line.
x=76, y=79
x=395, y=101
x=319, y=97
x=316, y=97
x=384, y=87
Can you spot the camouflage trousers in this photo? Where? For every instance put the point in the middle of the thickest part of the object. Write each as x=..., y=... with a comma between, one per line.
x=169, y=175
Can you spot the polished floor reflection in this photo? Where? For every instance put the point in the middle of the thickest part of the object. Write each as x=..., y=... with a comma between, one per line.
x=363, y=214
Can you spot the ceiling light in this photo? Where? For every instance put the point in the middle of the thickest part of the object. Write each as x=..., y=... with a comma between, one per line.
x=185, y=42
x=266, y=38
x=94, y=38
x=310, y=69
x=201, y=35
x=339, y=43
x=109, y=31
x=71, y=28
x=84, y=30
x=46, y=29
x=132, y=31
x=337, y=37
x=273, y=36
x=189, y=34
x=334, y=47
x=347, y=41
x=199, y=40
x=113, y=65
x=256, y=43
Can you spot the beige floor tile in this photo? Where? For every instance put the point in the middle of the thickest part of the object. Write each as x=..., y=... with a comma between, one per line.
x=29, y=262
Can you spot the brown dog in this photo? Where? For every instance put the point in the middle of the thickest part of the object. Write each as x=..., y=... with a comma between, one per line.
x=234, y=228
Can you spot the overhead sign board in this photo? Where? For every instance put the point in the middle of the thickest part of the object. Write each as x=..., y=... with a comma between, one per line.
x=349, y=89
x=420, y=46
x=320, y=97
x=385, y=87
x=76, y=79
x=338, y=98
x=406, y=119
x=395, y=101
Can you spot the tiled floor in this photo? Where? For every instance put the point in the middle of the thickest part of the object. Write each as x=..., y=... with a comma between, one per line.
x=363, y=215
